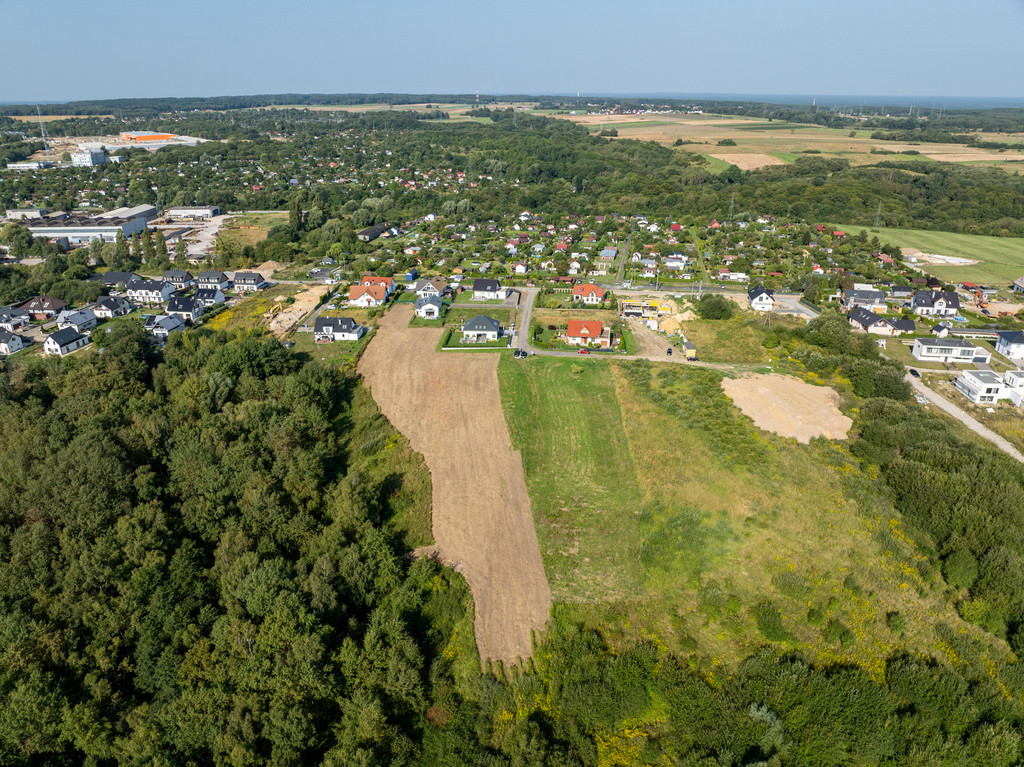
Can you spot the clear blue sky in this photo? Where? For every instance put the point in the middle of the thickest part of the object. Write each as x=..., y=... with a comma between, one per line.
x=68, y=50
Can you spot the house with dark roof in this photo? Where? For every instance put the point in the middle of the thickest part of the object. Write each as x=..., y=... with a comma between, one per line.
x=481, y=329
x=867, y=321
x=162, y=325
x=372, y=233
x=186, y=308
x=150, y=291
x=872, y=300
x=429, y=307
x=112, y=306
x=213, y=281
x=206, y=297
x=955, y=350
x=249, y=281
x=44, y=307
x=331, y=329
x=13, y=319
x=82, y=320
x=179, y=278
x=110, y=279
x=938, y=303
x=11, y=342
x=487, y=289
x=1011, y=345
x=64, y=342
x=761, y=299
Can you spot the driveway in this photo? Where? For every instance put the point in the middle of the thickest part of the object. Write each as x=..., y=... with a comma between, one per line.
x=965, y=418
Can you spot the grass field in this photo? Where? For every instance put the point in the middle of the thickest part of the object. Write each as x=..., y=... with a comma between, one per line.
x=457, y=314
x=735, y=340
x=1000, y=259
x=249, y=312
x=769, y=142
x=250, y=228
x=664, y=514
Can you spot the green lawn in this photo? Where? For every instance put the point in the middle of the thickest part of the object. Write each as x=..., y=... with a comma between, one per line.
x=1000, y=259
x=344, y=354
x=459, y=314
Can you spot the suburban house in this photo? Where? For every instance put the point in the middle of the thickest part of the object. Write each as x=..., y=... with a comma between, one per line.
x=588, y=333
x=938, y=303
x=1018, y=285
x=209, y=297
x=161, y=325
x=367, y=295
x=249, y=281
x=13, y=319
x=44, y=307
x=867, y=321
x=981, y=386
x=644, y=308
x=372, y=233
x=489, y=290
x=179, y=278
x=761, y=299
x=901, y=291
x=64, y=342
x=213, y=281
x=949, y=350
x=150, y=291
x=588, y=293
x=387, y=283
x=112, y=279
x=433, y=286
x=112, y=306
x=186, y=308
x=480, y=329
x=11, y=342
x=82, y=321
x=872, y=300
x=330, y=329
x=428, y=307
x=1014, y=382
x=1011, y=345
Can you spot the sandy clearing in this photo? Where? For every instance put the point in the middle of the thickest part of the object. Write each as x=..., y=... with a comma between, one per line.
x=788, y=406
x=745, y=161
x=449, y=406
x=267, y=268
x=305, y=302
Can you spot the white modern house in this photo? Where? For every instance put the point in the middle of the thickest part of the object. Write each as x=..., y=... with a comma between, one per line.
x=150, y=291
x=954, y=350
x=428, y=307
x=981, y=386
x=1011, y=345
x=935, y=303
x=330, y=329
x=489, y=290
x=64, y=342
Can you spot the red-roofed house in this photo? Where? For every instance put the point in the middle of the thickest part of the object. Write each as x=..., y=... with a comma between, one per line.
x=368, y=295
x=588, y=333
x=838, y=233
x=588, y=293
x=385, y=282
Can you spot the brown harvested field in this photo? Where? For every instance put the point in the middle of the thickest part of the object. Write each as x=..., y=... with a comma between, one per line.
x=748, y=161
x=449, y=407
x=51, y=118
x=788, y=406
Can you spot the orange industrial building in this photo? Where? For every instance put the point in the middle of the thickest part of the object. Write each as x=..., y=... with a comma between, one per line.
x=145, y=135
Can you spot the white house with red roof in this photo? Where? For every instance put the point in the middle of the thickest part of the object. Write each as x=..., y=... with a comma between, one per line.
x=387, y=283
x=588, y=333
x=367, y=295
x=588, y=293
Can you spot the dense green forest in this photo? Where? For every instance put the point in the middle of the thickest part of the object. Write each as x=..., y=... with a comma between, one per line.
x=203, y=561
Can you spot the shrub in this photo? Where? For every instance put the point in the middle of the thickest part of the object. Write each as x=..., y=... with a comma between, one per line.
x=896, y=622
x=960, y=569
x=815, y=616
x=769, y=622
x=714, y=307
x=727, y=142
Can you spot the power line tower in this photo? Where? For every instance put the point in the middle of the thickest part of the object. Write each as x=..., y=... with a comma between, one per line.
x=42, y=130
x=878, y=216
x=732, y=206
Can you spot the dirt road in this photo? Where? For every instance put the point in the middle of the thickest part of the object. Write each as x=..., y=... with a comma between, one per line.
x=963, y=417
x=449, y=406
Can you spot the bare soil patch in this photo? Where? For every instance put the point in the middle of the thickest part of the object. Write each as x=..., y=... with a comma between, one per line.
x=267, y=268
x=449, y=407
x=292, y=314
x=745, y=161
x=789, y=407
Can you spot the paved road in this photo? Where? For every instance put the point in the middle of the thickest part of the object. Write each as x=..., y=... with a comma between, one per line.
x=971, y=423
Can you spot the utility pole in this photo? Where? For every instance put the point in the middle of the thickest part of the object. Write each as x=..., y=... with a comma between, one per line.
x=878, y=216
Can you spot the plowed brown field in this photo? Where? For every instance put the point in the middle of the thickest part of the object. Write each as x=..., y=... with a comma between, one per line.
x=449, y=406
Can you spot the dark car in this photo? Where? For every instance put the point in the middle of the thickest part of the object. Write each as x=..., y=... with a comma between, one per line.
x=914, y=373
x=668, y=351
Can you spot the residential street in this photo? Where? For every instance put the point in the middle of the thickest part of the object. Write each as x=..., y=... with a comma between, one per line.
x=981, y=430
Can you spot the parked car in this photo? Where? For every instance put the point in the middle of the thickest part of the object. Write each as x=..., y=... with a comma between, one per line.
x=668, y=351
x=583, y=351
x=914, y=373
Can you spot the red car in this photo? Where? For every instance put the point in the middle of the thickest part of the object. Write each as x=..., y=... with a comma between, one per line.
x=583, y=351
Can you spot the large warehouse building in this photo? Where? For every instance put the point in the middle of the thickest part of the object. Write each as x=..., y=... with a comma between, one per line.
x=79, y=230
x=194, y=213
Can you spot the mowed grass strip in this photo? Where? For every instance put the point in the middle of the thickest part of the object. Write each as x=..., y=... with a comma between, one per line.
x=563, y=416
x=1001, y=259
